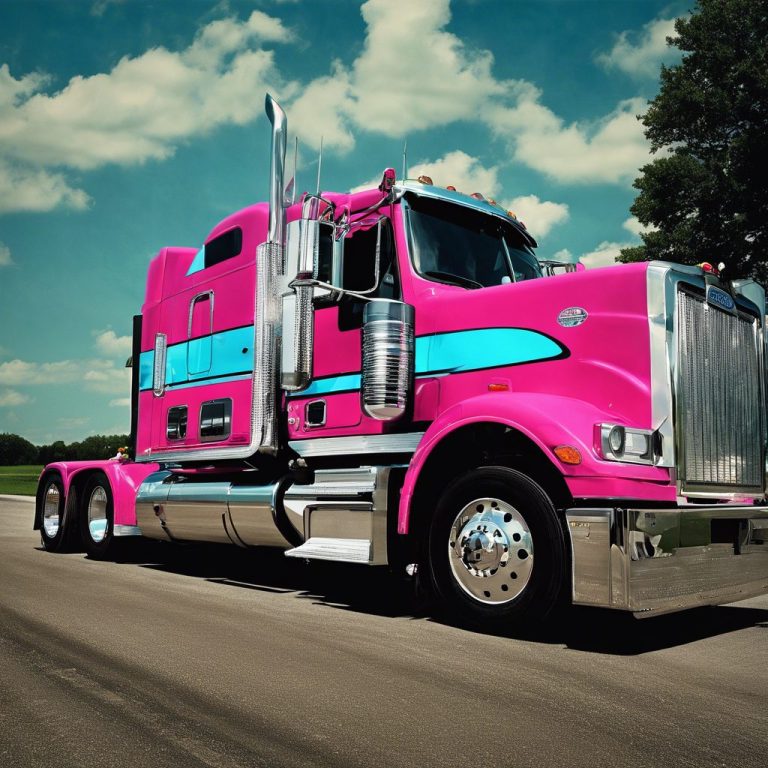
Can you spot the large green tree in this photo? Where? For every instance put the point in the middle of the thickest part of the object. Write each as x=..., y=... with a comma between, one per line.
x=706, y=195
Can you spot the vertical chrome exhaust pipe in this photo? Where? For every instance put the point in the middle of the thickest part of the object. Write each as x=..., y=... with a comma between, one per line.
x=269, y=266
x=277, y=170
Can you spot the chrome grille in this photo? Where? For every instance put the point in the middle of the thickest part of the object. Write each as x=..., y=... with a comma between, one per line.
x=720, y=408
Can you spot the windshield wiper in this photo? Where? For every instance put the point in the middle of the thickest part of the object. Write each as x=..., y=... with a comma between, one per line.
x=460, y=280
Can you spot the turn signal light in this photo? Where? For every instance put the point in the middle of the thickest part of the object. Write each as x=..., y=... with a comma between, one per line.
x=498, y=387
x=568, y=454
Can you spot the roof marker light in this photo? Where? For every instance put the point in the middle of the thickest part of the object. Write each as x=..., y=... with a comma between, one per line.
x=423, y=179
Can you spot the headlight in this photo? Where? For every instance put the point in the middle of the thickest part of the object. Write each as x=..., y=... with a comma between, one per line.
x=636, y=446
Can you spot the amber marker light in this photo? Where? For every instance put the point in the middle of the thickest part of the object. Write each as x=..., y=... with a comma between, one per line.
x=568, y=454
x=498, y=387
x=425, y=179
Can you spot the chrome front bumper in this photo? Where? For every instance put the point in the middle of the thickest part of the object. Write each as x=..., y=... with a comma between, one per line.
x=660, y=560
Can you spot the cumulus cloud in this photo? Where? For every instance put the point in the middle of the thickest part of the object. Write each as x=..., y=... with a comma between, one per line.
x=603, y=256
x=634, y=227
x=540, y=216
x=121, y=402
x=140, y=110
x=468, y=175
x=24, y=188
x=643, y=57
x=432, y=78
x=610, y=149
x=109, y=343
x=5, y=256
x=10, y=398
x=460, y=170
x=98, y=375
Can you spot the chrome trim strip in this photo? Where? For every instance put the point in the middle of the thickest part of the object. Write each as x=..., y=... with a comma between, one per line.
x=126, y=530
x=357, y=444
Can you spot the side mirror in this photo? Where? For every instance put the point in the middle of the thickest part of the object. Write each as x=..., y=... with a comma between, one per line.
x=312, y=252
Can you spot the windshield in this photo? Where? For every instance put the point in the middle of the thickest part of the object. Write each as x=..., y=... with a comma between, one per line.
x=458, y=245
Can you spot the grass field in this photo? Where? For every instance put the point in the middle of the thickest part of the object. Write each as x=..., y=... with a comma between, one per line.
x=19, y=481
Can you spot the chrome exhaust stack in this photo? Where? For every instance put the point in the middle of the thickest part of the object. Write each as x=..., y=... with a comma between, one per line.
x=269, y=268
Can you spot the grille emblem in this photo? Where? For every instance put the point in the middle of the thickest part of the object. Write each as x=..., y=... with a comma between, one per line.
x=720, y=299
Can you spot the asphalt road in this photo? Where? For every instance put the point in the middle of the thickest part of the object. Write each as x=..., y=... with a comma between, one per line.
x=210, y=656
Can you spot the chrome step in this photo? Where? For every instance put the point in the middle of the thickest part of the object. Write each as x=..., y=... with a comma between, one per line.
x=339, y=550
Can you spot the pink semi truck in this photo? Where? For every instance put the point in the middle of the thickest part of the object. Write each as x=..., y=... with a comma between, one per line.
x=391, y=378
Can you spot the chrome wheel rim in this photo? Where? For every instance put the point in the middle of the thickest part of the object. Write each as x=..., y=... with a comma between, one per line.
x=97, y=514
x=490, y=550
x=51, y=504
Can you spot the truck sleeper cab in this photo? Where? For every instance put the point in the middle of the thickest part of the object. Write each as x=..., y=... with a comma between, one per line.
x=388, y=378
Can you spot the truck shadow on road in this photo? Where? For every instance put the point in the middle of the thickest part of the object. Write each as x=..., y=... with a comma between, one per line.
x=378, y=592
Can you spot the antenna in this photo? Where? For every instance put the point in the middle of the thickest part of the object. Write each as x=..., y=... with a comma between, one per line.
x=319, y=165
x=405, y=159
x=295, y=168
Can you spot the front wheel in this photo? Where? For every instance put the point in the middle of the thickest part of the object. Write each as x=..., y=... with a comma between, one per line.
x=497, y=549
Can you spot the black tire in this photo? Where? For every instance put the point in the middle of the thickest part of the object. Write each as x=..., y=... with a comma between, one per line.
x=497, y=555
x=97, y=519
x=56, y=527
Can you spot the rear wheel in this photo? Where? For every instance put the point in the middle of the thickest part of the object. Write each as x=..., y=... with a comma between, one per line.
x=97, y=518
x=497, y=549
x=55, y=528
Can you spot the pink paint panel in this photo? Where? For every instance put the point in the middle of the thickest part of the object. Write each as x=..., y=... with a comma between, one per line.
x=125, y=477
x=548, y=420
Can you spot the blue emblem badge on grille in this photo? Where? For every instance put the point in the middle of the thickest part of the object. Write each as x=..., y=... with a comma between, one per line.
x=720, y=299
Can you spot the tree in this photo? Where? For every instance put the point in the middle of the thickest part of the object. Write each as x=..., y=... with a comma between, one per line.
x=15, y=450
x=706, y=196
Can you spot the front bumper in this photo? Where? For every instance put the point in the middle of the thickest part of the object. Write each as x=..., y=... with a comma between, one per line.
x=660, y=560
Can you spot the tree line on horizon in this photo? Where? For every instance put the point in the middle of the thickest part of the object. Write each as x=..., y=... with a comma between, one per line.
x=16, y=451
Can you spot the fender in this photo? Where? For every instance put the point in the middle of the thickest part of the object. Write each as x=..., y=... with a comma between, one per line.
x=124, y=477
x=547, y=420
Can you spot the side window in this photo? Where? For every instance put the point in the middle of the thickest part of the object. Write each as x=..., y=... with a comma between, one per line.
x=176, y=428
x=360, y=262
x=226, y=246
x=360, y=272
x=215, y=419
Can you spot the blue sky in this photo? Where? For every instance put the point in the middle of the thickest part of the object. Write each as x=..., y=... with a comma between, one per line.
x=126, y=126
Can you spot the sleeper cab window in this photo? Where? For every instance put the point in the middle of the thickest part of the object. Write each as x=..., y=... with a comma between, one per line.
x=225, y=246
x=177, y=423
x=216, y=419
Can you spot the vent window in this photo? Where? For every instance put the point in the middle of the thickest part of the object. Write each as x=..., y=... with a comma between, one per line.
x=226, y=246
x=215, y=419
x=177, y=423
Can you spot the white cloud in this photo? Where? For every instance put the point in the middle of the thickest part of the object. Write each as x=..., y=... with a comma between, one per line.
x=105, y=377
x=99, y=375
x=121, y=402
x=24, y=188
x=643, y=58
x=540, y=216
x=633, y=225
x=18, y=372
x=109, y=343
x=603, y=256
x=469, y=175
x=140, y=110
x=610, y=149
x=10, y=398
x=411, y=75
x=5, y=256
x=460, y=170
